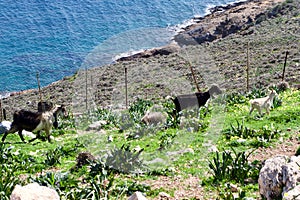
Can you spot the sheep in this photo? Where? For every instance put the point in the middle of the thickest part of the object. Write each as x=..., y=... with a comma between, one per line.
x=198, y=99
x=263, y=103
x=155, y=116
x=35, y=122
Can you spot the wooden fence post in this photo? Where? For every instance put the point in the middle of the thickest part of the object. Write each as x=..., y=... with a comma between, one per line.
x=126, y=89
x=1, y=116
x=285, y=60
x=248, y=66
x=39, y=86
x=194, y=77
x=86, y=89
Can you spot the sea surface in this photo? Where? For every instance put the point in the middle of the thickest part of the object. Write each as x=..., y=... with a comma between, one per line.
x=52, y=39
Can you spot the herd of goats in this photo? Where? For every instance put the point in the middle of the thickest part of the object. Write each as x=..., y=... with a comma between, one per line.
x=37, y=121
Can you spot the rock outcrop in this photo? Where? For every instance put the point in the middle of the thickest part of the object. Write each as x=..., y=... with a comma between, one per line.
x=279, y=178
x=137, y=196
x=33, y=191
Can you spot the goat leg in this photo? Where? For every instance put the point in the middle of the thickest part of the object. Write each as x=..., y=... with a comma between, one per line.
x=12, y=129
x=21, y=136
x=48, y=135
x=251, y=110
x=4, y=136
x=38, y=135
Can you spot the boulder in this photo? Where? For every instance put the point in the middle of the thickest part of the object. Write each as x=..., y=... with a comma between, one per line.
x=4, y=126
x=33, y=191
x=279, y=177
x=96, y=125
x=293, y=194
x=137, y=196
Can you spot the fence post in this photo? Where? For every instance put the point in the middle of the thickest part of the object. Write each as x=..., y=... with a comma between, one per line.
x=39, y=86
x=248, y=66
x=285, y=60
x=126, y=89
x=86, y=89
x=1, y=116
x=194, y=77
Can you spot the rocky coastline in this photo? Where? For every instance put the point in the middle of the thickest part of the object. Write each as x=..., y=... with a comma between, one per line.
x=223, y=33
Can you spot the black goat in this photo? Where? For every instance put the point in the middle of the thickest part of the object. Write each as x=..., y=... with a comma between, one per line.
x=196, y=100
x=35, y=121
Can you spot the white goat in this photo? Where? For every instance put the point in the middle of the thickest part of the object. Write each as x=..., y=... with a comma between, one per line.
x=263, y=103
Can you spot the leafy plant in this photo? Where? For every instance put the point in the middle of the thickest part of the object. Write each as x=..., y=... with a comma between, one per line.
x=260, y=137
x=138, y=108
x=239, y=130
x=235, y=98
x=8, y=180
x=124, y=160
x=225, y=193
x=230, y=166
x=108, y=116
x=166, y=139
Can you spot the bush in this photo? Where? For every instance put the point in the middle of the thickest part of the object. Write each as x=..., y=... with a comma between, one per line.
x=124, y=160
x=231, y=166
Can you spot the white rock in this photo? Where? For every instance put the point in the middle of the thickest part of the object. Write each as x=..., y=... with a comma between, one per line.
x=4, y=126
x=292, y=194
x=96, y=125
x=270, y=177
x=279, y=178
x=137, y=196
x=33, y=191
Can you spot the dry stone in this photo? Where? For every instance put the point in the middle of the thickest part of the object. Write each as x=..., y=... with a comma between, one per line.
x=279, y=178
x=137, y=196
x=33, y=191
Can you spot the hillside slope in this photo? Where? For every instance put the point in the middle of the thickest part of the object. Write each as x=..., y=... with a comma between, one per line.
x=274, y=30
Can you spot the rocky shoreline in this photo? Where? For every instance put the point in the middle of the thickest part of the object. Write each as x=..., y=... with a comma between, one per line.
x=164, y=71
x=220, y=22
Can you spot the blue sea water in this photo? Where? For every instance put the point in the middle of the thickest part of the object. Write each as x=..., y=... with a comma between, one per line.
x=55, y=37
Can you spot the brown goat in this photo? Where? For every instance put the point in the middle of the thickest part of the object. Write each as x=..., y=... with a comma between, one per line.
x=35, y=122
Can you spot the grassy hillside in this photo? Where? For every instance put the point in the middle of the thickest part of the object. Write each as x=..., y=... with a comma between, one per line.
x=139, y=158
x=124, y=155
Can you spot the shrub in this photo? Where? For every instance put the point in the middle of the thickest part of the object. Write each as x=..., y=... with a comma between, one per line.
x=235, y=98
x=8, y=180
x=166, y=139
x=124, y=160
x=239, y=130
x=230, y=166
x=138, y=108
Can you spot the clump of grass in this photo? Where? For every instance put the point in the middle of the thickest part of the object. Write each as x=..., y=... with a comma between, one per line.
x=231, y=166
x=257, y=137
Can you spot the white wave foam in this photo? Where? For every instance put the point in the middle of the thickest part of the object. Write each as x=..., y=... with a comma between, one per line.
x=4, y=95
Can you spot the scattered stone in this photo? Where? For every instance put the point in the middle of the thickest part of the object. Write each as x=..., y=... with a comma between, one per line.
x=110, y=139
x=33, y=191
x=212, y=149
x=84, y=158
x=137, y=196
x=4, y=126
x=163, y=195
x=180, y=152
x=96, y=125
x=234, y=188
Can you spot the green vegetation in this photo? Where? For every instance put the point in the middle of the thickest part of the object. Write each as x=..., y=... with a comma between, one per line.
x=139, y=153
